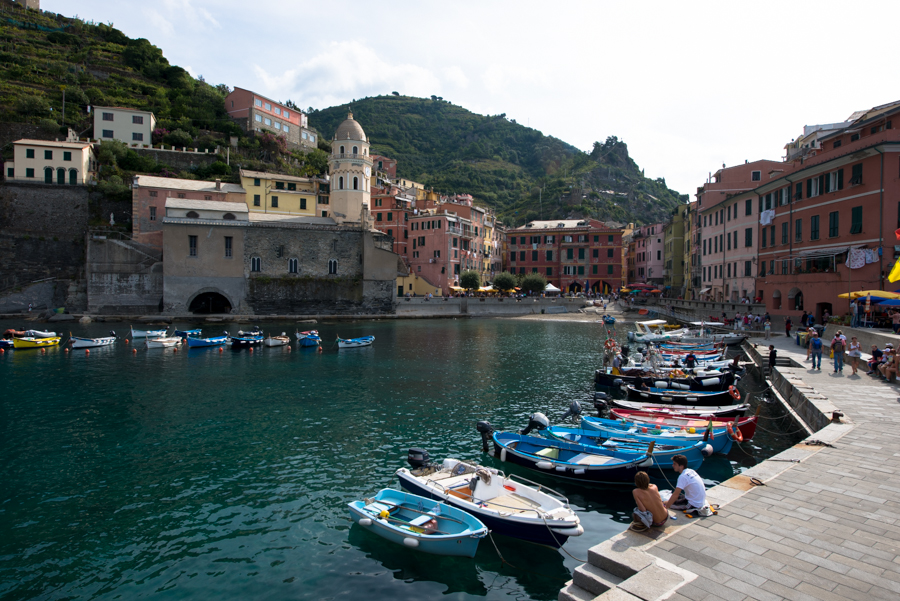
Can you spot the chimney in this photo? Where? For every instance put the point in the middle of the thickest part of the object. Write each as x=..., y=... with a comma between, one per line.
x=218, y=184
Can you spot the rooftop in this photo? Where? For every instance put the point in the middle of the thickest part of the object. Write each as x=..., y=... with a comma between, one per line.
x=278, y=176
x=122, y=108
x=207, y=205
x=281, y=218
x=192, y=185
x=54, y=143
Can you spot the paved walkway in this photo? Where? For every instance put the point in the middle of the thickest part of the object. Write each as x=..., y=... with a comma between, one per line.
x=827, y=528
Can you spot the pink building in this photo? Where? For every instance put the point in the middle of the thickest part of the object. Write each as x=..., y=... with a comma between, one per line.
x=254, y=112
x=148, y=201
x=728, y=218
x=648, y=254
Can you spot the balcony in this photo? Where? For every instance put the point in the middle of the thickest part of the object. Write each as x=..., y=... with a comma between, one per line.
x=356, y=157
x=455, y=231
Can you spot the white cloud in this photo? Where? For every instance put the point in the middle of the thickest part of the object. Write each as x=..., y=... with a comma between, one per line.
x=346, y=70
x=159, y=22
x=456, y=77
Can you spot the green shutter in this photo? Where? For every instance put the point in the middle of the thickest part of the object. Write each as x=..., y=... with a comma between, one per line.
x=809, y=187
x=840, y=179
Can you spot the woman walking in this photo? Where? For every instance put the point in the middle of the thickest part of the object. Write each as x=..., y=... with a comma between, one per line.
x=855, y=354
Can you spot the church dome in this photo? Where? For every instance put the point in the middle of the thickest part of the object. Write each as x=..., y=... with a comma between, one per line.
x=350, y=129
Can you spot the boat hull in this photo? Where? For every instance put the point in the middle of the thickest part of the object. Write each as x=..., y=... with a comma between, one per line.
x=720, y=441
x=27, y=343
x=148, y=333
x=162, y=342
x=604, y=377
x=746, y=425
x=277, y=341
x=355, y=342
x=691, y=397
x=92, y=342
x=238, y=342
x=206, y=342
x=662, y=453
x=690, y=411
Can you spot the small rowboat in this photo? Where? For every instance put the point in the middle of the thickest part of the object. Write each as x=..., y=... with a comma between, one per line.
x=245, y=339
x=310, y=338
x=29, y=342
x=277, y=340
x=39, y=334
x=355, y=342
x=568, y=460
x=746, y=425
x=690, y=411
x=162, y=342
x=147, y=333
x=206, y=342
x=92, y=342
x=189, y=333
x=609, y=319
x=719, y=439
x=662, y=453
x=504, y=503
x=419, y=523
x=684, y=397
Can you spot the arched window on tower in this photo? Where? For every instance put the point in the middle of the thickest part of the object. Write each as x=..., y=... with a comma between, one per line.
x=356, y=150
x=342, y=150
x=332, y=267
x=341, y=183
x=356, y=183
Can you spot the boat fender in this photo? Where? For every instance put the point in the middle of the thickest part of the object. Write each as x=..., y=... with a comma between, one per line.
x=576, y=531
x=734, y=392
x=644, y=395
x=503, y=454
x=544, y=465
x=618, y=382
x=646, y=462
x=693, y=399
x=560, y=468
x=692, y=430
x=365, y=521
x=709, y=381
x=661, y=384
x=707, y=451
x=579, y=471
x=681, y=386
x=411, y=542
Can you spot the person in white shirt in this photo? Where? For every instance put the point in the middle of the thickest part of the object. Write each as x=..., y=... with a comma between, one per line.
x=690, y=492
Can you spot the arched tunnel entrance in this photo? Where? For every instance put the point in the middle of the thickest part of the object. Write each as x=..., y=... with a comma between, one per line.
x=210, y=302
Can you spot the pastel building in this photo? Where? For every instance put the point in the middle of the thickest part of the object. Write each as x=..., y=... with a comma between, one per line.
x=648, y=254
x=279, y=194
x=42, y=161
x=350, y=173
x=131, y=126
x=254, y=112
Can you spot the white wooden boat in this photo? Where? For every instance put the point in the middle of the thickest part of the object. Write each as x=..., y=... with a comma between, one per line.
x=163, y=342
x=147, y=333
x=77, y=342
x=282, y=340
x=355, y=342
x=39, y=334
x=654, y=331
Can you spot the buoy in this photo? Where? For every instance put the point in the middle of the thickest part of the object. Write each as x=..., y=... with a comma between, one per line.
x=134, y=351
x=289, y=349
x=67, y=349
x=411, y=542
x=385, y=514
x=3, y=350
x=175, y=350
x=220, y=349
x=251, y=349
x=692, y=430
x=87, y=351
x=184, y=341
x=126, y=341
x=643, y=429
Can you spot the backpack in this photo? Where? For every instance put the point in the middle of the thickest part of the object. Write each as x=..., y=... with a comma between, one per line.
x=837, y=345
x=817, y=343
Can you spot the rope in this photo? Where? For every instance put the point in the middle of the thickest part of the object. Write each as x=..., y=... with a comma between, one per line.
x=502, y=561
x=553, y=536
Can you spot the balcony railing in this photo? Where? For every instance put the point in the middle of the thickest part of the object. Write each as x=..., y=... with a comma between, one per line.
x=349, y=155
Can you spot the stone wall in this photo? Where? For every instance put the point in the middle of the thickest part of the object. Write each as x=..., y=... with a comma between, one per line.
x=122, y=278
x=179, y=160
x=25, y=258
x=10, y=132
x=312, y=246
x=44, y=209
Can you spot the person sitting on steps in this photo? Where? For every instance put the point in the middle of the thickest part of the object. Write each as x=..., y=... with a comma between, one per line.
x=690, y=492
x=650, y=511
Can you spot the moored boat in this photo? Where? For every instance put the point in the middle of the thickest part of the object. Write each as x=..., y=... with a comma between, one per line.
x=277, y=340
x=310, y=338
x=5, y=343
x=506, y=504
x=206, y=342
x=419, y=523
x=684, y=397
x=78, y=342
x=746, y=425
x=608, y=377
x=30, y=342
x=355, y=342
x=196, y=333
x=246, y=339
x=39, y=334
x=162, y=342
x=662, y=452
x=687, y=411
x=147, y=333
x=609, y=320
x=718, y=437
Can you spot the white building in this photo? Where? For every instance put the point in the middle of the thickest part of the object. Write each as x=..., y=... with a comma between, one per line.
x=42, y=161
x=126, y=125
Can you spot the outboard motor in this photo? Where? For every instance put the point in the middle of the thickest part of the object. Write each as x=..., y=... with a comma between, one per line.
x=485, y=429
x=418, y=458
x=600, y=403
x=625, y=351
x=573, y=411
x=536, y=421
x=112, y=333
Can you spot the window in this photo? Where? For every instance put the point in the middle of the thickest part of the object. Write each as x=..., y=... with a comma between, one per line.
x=356, y=150
x=856, y=175
x=521, y=255
x=267, y=121
x=108, y=133
x=549, y=271
x=534, y=255
x=152, y=213
x=728, y=213
x=29, y=153
x=274, y=202
x=390, y=216
x=302, y=204
x=356, y=183
x=762, y=268
x=342, y=150
x=259, y=118
x=48, y=175
x=193, y=215
x=192, y=245
x=255, y=264
x=257, y=102
x=207, y=197
x=228, y=246
x=277, y=125
x=256, y=181
x=377, y=216
x=581, y=270
x=798, y=230
x=268, y=107
x=729, y=270
x=609, y=269
x=748, y=237
x=748, y=269
x=137, y=119
x=854, y=137
x=256, y=200
x=549, y=255
x=755, y=176
x=836, y=144
x=609, y=253
x=286, y=113
x=735, y=239
x=856, y=216
x=814, y=186
x=181, y=195
x=437, y=254
x=332, y=267
x=107, y=116
x=784, y=232
x=581, y=253
x=833, y=224
x=814, y=227
x=762, y=242
x=285, y=128
x=341, y=183
x=10, y=173
x=834, y=181
x=293, y=266
x=570, y=253
x=29, y=172
x=229, y=217
x=277, y=111
x=67, y=156
x=48, y=155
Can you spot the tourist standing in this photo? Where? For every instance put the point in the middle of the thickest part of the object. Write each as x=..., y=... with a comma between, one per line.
x=787, y=326
x=854, y=316
x=895, y=321
x=815, y=350
x=768, y=328
x=855, y=353
x=773, y=355
x=837, y=352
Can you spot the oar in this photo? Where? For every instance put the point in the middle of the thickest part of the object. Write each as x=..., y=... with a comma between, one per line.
x=442, y=516
x=393, y=519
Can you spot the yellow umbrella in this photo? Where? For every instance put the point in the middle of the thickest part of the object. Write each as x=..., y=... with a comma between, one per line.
x=624, y=290
x=863, y=293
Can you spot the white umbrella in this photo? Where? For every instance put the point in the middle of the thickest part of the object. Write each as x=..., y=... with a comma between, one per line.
x=551, y=288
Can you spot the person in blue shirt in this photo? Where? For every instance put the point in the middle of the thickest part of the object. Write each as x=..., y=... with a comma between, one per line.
x=815, y=350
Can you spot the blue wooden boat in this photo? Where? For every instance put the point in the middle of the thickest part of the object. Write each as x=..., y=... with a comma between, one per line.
x=245, y=339
x=189, y=333
x=355, y=342
x=609, y=320
x=419, y=523
x=4, y=343
x=718, y=438
x=193, y=342
x=310, y=338
x=568, y=460
x=662, y=452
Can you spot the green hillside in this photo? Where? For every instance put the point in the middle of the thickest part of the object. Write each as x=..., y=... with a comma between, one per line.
x=517, y=170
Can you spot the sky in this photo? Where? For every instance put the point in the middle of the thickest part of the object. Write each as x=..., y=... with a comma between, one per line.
x=689, y=86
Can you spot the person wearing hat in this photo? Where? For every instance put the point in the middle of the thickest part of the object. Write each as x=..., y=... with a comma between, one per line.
x=877, y=354
x=888, y=364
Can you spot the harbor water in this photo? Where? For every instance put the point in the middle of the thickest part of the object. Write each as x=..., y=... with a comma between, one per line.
x=223, y=475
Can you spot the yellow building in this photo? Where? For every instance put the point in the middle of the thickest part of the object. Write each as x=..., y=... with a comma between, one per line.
x=673, y=252
x=68, y=163
x=279, y=194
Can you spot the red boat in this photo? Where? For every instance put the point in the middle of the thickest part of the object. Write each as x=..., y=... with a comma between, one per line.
x=746, y=425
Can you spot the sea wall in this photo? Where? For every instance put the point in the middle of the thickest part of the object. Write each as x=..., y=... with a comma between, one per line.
x=484, y=307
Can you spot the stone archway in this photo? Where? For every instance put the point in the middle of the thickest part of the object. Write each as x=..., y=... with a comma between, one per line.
x=776, y=300
x=796, y=295
x=209, y=301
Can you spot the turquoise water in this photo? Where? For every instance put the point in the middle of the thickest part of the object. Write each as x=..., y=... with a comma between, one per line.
x=226, y=475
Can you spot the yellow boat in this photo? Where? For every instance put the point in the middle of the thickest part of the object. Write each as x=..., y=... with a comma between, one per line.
x=35, y=342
